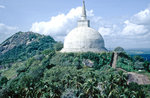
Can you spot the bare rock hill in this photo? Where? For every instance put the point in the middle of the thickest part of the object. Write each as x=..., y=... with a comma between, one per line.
x=24, y=45
x=18, y=39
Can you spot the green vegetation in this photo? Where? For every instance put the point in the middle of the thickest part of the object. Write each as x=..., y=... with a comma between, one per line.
x=57, y=82
x=76, y=59
x=119, y=49
x=38, y=70
x=58, y=46
x=125, y=62
x=147, y=66
x=46, y=75
x=24, y=51
x=135, y=63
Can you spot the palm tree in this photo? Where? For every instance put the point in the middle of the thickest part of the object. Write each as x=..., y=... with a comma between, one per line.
x=90, y=88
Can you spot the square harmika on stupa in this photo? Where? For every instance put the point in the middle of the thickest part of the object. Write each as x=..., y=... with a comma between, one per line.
x=83, y=38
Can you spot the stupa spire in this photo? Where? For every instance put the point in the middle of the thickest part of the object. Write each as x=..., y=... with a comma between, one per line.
x=83, y=22
x=83, y=11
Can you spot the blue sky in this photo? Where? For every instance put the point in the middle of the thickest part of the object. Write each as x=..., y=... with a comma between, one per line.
x=112, y=18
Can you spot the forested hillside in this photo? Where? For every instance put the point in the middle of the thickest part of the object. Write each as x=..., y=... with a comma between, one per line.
x=36, y=69
x=22, y=46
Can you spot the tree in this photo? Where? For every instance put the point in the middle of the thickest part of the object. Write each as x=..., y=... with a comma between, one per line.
x=119, y=49
x=58, y=46
x=90, y=88
x=147, y=66
x=138, y=58
x=77, y=63
x=3, y=80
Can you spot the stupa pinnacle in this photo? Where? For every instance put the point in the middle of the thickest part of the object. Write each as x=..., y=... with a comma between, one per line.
x=83, y=21
x=83, y=38
x=83, y=11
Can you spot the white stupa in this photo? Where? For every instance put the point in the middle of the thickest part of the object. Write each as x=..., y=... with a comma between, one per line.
x=83, y=38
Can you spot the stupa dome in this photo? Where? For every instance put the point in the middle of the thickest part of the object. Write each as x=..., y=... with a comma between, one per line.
x=83, y=38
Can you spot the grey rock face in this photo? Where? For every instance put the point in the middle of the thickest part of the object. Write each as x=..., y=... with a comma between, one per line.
x=18, y=39
x=88, y=63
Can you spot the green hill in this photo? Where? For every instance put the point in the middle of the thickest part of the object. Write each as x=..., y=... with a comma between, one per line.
x=23, y=45
x=33, y=67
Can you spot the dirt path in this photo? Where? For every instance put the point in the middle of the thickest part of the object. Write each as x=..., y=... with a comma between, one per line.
x=114, y=60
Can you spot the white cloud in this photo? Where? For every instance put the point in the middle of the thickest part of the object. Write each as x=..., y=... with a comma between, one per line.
x=6, y=31
x=134, y=32
x=134, y=29
x=139, y=24
x=105, y=31
x=109, y=30
x=2, y=6
x=58, y=26
x=142, y=18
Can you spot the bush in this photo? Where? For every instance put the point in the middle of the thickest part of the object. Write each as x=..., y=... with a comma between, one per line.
x=70, y=59
x=3, y=80
x=119, y=49
x=147, y=66
x=58, y=46
x=63, y=81
x=138, y=58
x=125, y=62
x=22, y=69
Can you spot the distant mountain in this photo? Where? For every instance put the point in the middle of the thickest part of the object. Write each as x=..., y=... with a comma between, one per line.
x=23, y=45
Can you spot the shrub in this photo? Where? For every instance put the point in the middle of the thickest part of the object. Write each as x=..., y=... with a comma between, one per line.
x=147, y=66
x=138, y=58
x=119, y=49
x=3, y=80
x=99, y=59
x=58, y=46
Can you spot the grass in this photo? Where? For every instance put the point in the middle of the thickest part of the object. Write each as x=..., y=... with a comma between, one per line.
x=126, y=67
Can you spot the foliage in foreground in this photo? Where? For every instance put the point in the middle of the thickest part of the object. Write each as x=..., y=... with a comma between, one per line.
x=77, y=59
x=61, y=81
x=53, y=74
